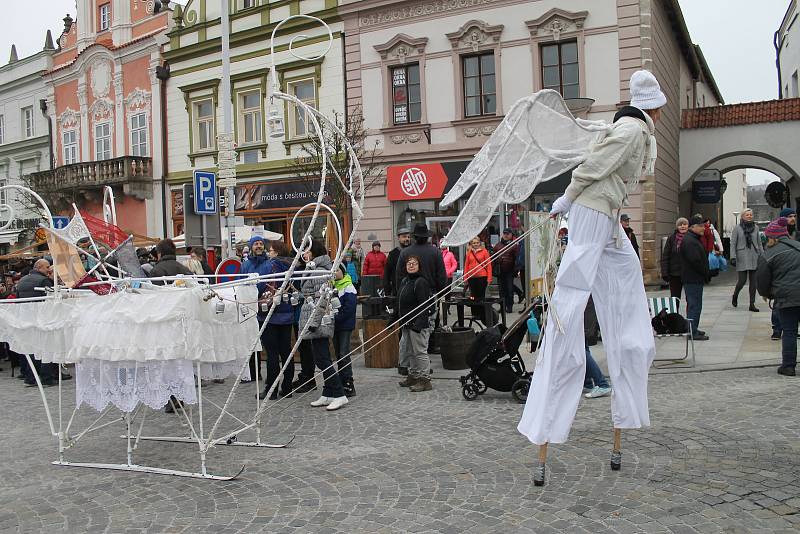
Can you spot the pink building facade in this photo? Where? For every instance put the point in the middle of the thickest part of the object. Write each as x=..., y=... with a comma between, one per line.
x=105, y=111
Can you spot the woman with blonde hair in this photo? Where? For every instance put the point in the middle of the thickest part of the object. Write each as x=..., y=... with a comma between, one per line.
x=477, y=272
x=746, y=248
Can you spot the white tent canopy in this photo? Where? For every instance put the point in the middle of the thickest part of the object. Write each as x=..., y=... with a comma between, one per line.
x=242, y=234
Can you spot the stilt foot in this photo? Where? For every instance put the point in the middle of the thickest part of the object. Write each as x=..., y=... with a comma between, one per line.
x=616, y=460
x=538, y=475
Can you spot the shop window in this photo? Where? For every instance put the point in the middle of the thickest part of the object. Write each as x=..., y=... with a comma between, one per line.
x=480, y=92
x=406, y=97
x=70, y=143
x=2, y=129
x=139, y=134
x=105, y=17
x=560, y=68
x=102, y=141
x=204, y=125
x=27, y=121
x=250, y=121
x=305, y=91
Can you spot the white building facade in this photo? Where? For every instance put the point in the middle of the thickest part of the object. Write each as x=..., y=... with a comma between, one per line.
x=787, y=45
x=24, y=138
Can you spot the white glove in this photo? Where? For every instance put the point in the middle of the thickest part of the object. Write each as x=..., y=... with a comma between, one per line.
x=561, y=205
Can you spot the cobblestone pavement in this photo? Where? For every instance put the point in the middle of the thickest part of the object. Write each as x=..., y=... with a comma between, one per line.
x=722, y=456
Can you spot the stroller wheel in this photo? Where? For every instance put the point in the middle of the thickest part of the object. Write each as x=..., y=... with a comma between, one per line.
x=481, y=387
x=520, y=390
x=470, y=392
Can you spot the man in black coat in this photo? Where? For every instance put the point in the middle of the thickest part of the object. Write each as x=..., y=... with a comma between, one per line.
x=695, y=273
x=167, y=264
x=432, y=267
x=39, y=277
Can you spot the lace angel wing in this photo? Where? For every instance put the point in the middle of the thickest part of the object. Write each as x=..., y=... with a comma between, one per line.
x=538, y=140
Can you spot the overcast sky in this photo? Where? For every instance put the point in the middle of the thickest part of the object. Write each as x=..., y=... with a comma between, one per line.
x=735, y=35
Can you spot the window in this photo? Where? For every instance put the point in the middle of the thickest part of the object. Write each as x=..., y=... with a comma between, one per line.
x=27, y=121
x=480, y=94
x=2, y=129
x=70, y=144
x=105, y=17
x=102, y=141
x=139, y=134
x=305, y=91
x=560, y=68
x=406, y=98
x=250, y=122
x=795, y=86
x=3, y=197
x=248, y=3
x=204, y=124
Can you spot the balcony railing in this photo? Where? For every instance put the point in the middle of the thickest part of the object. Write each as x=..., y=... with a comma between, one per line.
x=133, y=173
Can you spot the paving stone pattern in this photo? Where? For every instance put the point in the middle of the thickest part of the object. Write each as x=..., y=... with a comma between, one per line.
x=722, y=456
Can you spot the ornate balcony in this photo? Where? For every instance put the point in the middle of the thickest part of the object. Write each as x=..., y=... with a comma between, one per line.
x=133, y=174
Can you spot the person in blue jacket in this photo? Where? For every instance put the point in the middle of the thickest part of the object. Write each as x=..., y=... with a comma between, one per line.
x=277, y=338
x=257, y=262
x=343, y=327
x=351, y=267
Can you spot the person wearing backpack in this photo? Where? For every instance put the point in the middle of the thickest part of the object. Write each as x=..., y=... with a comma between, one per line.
x=778, y=278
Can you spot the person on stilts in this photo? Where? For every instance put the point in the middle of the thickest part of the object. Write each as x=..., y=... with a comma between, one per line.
x=599, y=261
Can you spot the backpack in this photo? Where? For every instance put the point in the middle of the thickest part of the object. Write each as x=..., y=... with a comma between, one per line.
x=669, y=323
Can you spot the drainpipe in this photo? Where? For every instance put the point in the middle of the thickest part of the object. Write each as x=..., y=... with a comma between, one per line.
x=162, y=73
x=50, y=158
x=778, y=43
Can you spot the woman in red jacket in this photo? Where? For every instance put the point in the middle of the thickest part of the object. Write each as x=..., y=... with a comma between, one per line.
x=477, y=269
x=374, y=261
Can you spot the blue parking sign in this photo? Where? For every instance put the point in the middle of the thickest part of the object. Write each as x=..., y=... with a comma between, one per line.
x=205, y=193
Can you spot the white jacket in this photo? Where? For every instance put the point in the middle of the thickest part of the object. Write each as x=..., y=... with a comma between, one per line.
x=619, y=157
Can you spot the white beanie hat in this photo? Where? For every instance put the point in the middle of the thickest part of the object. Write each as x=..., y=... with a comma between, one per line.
x=645, y=91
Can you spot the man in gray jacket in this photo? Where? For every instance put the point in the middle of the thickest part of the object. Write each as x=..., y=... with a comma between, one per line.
x=778, y=277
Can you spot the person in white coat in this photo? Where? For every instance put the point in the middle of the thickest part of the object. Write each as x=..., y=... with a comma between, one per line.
x=599, y=262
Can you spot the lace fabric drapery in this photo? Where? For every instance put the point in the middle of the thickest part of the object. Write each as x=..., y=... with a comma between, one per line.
x=126, y=384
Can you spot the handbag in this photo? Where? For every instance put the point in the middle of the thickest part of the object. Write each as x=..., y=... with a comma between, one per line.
x=723, y=264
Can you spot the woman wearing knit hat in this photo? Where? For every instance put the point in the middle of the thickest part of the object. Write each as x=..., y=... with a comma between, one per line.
x=600, y=262
x=778, y=278
x=745, y=250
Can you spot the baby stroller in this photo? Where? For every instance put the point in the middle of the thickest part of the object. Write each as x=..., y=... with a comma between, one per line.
x=496, y=363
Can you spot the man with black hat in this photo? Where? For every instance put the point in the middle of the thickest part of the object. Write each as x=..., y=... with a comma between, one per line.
x=695, y=273
x=505, y=267
x=432, y=267
x=625, y=220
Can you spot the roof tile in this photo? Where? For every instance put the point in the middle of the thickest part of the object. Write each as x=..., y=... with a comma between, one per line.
x=741, y=114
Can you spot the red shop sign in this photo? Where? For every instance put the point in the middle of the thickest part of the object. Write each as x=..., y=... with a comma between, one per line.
x=416, y=182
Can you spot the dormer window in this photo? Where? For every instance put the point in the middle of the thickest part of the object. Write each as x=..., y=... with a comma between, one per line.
x=105, y=17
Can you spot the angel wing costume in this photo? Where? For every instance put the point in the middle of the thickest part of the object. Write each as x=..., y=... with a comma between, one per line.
x=538, y=140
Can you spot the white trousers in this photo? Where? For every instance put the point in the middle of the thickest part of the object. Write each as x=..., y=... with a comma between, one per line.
x=592, y=265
